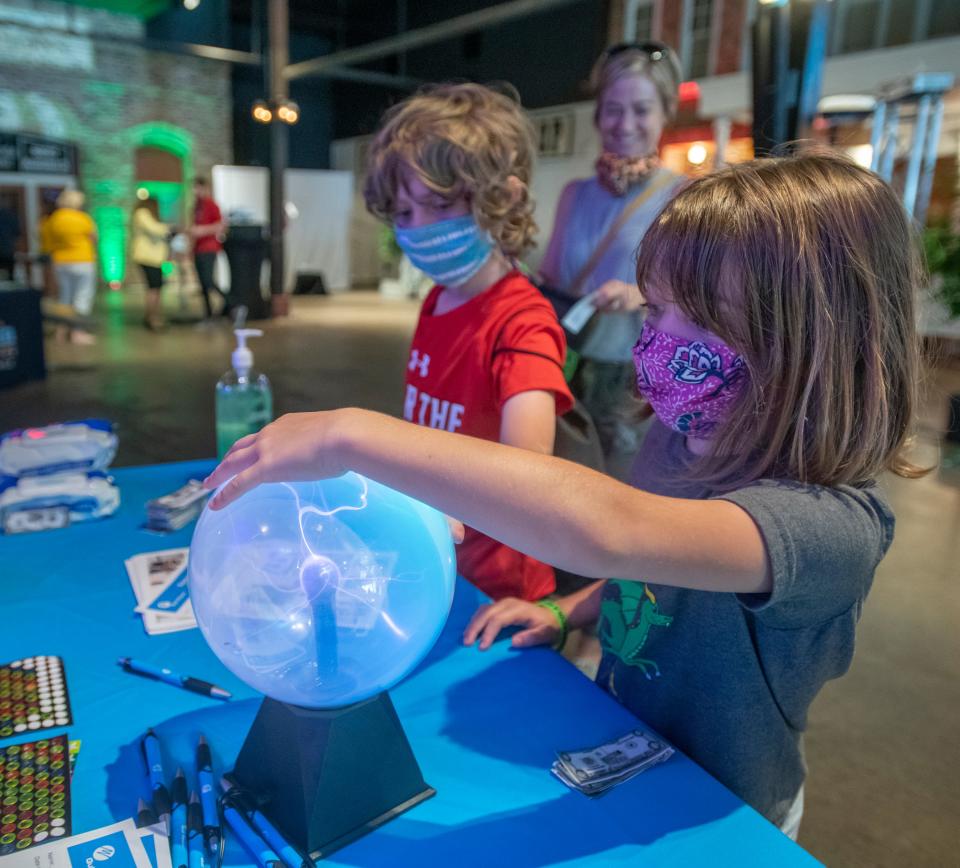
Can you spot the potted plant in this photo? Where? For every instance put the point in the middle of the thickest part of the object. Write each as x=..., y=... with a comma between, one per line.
x=942, y=246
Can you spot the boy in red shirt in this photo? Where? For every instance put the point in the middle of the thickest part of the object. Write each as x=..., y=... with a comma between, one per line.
x=450, y=169
x=206, y=231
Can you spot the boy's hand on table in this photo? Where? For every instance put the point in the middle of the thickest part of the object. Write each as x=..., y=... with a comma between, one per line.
x=541, y=627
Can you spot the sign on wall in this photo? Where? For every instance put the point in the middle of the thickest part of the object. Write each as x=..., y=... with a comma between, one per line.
x=26, y=153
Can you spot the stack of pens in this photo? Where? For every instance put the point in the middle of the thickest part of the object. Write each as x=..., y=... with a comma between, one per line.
x=189, y=821
x=261, y=839
x=192, y=824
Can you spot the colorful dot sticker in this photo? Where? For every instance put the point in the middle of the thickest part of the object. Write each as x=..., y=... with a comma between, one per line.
x=33, y=696
x=35, y=790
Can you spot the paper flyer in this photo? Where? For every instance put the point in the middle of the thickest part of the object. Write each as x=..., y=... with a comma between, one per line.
x=157, y=846
x=116, y=846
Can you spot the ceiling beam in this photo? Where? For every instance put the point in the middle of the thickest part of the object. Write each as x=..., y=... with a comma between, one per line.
x=369, y=76
x=452, y=27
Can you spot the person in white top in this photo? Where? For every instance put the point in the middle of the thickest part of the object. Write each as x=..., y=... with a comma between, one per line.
x=150, y=250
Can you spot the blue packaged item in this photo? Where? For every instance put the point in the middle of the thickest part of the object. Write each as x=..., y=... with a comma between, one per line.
x=53, y=501
x=85, y=446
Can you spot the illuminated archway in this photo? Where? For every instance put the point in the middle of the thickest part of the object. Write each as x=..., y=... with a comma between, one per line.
x=111, y=219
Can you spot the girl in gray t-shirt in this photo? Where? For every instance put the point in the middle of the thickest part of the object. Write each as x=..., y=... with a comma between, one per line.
x=780, y=356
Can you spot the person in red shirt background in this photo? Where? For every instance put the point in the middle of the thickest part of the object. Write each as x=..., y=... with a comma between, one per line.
x=450, y=169
x=206, y=231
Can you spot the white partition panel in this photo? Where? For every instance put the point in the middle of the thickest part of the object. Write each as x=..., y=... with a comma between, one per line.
x=318, y=238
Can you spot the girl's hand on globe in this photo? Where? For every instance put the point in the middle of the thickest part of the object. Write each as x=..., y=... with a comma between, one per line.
x=541, y=627
x=296, y=447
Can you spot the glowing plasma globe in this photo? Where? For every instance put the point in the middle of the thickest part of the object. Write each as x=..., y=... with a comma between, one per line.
x=321, y=594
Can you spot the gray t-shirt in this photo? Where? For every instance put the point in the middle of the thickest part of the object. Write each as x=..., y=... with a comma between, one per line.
x=729, y=678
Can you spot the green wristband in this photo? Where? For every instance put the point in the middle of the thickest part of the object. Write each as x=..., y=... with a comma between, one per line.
x=561, y=620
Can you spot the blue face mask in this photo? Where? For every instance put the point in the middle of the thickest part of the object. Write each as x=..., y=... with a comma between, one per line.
x=450, y=252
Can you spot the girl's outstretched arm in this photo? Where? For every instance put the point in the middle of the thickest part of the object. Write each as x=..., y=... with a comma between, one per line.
x=556, y=511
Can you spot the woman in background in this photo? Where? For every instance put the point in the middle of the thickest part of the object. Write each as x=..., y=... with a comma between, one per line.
x=600, y=221
x=150, y=250
x=72, y=237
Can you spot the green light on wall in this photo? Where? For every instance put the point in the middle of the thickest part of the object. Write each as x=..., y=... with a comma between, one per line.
x=110, y=222
x=169, y=198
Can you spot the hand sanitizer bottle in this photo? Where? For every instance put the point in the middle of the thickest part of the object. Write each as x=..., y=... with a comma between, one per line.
x=244, y=402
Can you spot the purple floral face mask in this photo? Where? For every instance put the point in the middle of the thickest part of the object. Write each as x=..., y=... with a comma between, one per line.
x=690, y=385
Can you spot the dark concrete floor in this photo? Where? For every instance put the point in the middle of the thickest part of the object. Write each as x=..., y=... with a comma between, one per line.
x=883, y=748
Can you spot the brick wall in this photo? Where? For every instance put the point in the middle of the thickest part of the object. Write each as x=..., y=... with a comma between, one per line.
x=671, y=22
x=89, y=83
x=730, y=36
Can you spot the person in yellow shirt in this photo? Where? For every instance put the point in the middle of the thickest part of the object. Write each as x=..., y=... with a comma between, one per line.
x=150, y=249
x=72, y=236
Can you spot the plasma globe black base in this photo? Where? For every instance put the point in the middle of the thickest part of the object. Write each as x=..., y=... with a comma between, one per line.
x=327, y=777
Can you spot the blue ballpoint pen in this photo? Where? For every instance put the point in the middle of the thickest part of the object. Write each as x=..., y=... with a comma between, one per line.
x=254, y=845
x=195, y=833
x=150, y=745
x=288, y=854
x=162, y=674
x=208, y=797
x=178, y=838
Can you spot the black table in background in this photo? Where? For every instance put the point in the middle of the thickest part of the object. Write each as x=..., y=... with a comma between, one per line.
x=21, y=337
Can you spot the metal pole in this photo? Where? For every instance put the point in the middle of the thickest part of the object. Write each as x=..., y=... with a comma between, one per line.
x=401, y=28
x=876, y=134
x=809, y=26
x=369, y=76
x=277, y=27
x=448, y=29
x=771, y=43
x=917, y=150
x=929, y=163
x=890, y=142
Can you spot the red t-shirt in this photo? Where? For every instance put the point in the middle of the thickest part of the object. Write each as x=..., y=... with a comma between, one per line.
x=464, y=365
x=205, y=212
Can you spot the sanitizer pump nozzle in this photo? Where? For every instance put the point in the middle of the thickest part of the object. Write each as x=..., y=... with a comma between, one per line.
x=242, y=357
x=244, y=400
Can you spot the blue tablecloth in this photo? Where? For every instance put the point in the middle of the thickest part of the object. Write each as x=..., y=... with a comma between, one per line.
x=484, y=726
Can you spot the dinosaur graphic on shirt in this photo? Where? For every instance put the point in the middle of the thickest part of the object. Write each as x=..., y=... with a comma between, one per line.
x=628, y=612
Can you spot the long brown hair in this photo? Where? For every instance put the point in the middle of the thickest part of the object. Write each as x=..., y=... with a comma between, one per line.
x=808, y=266
x=460, y=139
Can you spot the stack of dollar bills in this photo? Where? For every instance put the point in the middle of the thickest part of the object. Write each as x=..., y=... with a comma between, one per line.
x=174, y=510
x=593, y=771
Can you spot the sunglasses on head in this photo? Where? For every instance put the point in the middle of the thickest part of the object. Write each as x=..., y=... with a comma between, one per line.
x=654, y=50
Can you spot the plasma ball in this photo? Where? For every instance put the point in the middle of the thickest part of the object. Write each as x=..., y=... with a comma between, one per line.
x=322, y=594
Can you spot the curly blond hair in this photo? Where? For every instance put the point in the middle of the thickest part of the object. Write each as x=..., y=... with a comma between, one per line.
x=460, y=139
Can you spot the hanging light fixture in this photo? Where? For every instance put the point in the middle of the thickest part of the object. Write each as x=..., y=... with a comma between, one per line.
x=287, y=112
x=262, y=112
